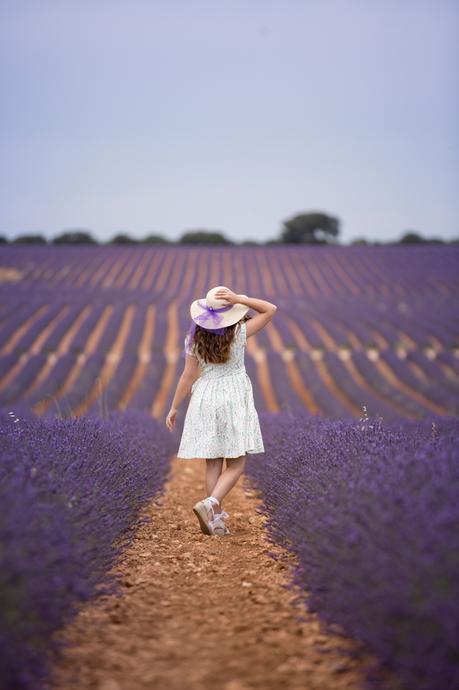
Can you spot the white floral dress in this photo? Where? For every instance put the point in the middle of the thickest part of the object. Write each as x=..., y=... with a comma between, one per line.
x=221, y=420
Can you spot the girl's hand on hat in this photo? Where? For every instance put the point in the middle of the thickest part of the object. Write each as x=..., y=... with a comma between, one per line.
x=227, y=295
x=170, y=419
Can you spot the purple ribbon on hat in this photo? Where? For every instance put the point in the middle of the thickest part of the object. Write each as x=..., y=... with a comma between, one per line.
x=208, y=316
x=211, y=315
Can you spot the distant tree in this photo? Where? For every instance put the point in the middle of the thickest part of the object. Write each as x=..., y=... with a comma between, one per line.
x=310, y=228
x=156, y=239
x=122, y=238
x=74, y=237
x=274, y=241
x=30, y=239
x=359, y=241
x=250, y=243
x=204, y=237
x=412, y=237
x=3, y=239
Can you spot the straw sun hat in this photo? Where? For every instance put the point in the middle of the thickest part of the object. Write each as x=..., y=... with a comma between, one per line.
x=214, y=314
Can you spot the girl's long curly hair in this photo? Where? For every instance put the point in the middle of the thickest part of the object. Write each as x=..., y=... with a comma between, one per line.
x=213, y=348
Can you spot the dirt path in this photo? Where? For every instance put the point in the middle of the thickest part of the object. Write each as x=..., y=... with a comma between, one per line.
x=203, y=612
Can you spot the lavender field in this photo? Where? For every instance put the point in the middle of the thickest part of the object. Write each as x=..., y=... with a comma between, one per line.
x=86, y=329
x=357, y=384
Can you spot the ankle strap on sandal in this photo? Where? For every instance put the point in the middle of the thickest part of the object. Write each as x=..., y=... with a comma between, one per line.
x=213, y=500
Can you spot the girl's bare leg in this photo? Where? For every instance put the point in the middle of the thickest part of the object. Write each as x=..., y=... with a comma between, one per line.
x=213, y=470
x=228, y=478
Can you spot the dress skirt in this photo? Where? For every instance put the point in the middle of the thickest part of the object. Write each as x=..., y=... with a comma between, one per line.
x=221, y=419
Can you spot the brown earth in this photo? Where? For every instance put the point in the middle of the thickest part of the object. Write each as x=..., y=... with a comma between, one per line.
x=203, y=611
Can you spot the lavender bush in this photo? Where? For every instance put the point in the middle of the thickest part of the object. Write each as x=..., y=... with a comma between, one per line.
x=70, y=494
x=372, y=512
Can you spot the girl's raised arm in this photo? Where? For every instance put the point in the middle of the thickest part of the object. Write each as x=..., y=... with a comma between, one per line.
x=266, y=312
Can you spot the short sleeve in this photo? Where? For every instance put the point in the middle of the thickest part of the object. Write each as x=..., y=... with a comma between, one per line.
x=189, y=350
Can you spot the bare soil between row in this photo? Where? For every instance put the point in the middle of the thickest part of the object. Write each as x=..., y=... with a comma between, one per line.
x=200, y=611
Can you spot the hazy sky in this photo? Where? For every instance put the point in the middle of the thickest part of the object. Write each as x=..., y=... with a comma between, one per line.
x=161, y=116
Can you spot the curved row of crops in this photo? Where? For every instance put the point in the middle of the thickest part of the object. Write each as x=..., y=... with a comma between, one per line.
x=71, y=492
x=87, y=330
x=372, y=512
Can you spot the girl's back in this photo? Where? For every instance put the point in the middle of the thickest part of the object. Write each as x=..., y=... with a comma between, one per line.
x=235, y=363
x=221, y=420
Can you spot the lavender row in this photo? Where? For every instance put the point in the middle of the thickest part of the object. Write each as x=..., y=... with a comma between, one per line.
x=371, y=511
x=70, y=495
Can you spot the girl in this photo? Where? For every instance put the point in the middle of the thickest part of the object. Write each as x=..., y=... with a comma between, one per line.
x=221, y=420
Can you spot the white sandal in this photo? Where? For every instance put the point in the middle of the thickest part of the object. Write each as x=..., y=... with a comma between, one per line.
x=218, y=526
x=201, y=510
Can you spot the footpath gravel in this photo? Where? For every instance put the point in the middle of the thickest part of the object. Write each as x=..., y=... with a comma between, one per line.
x=204, y=612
